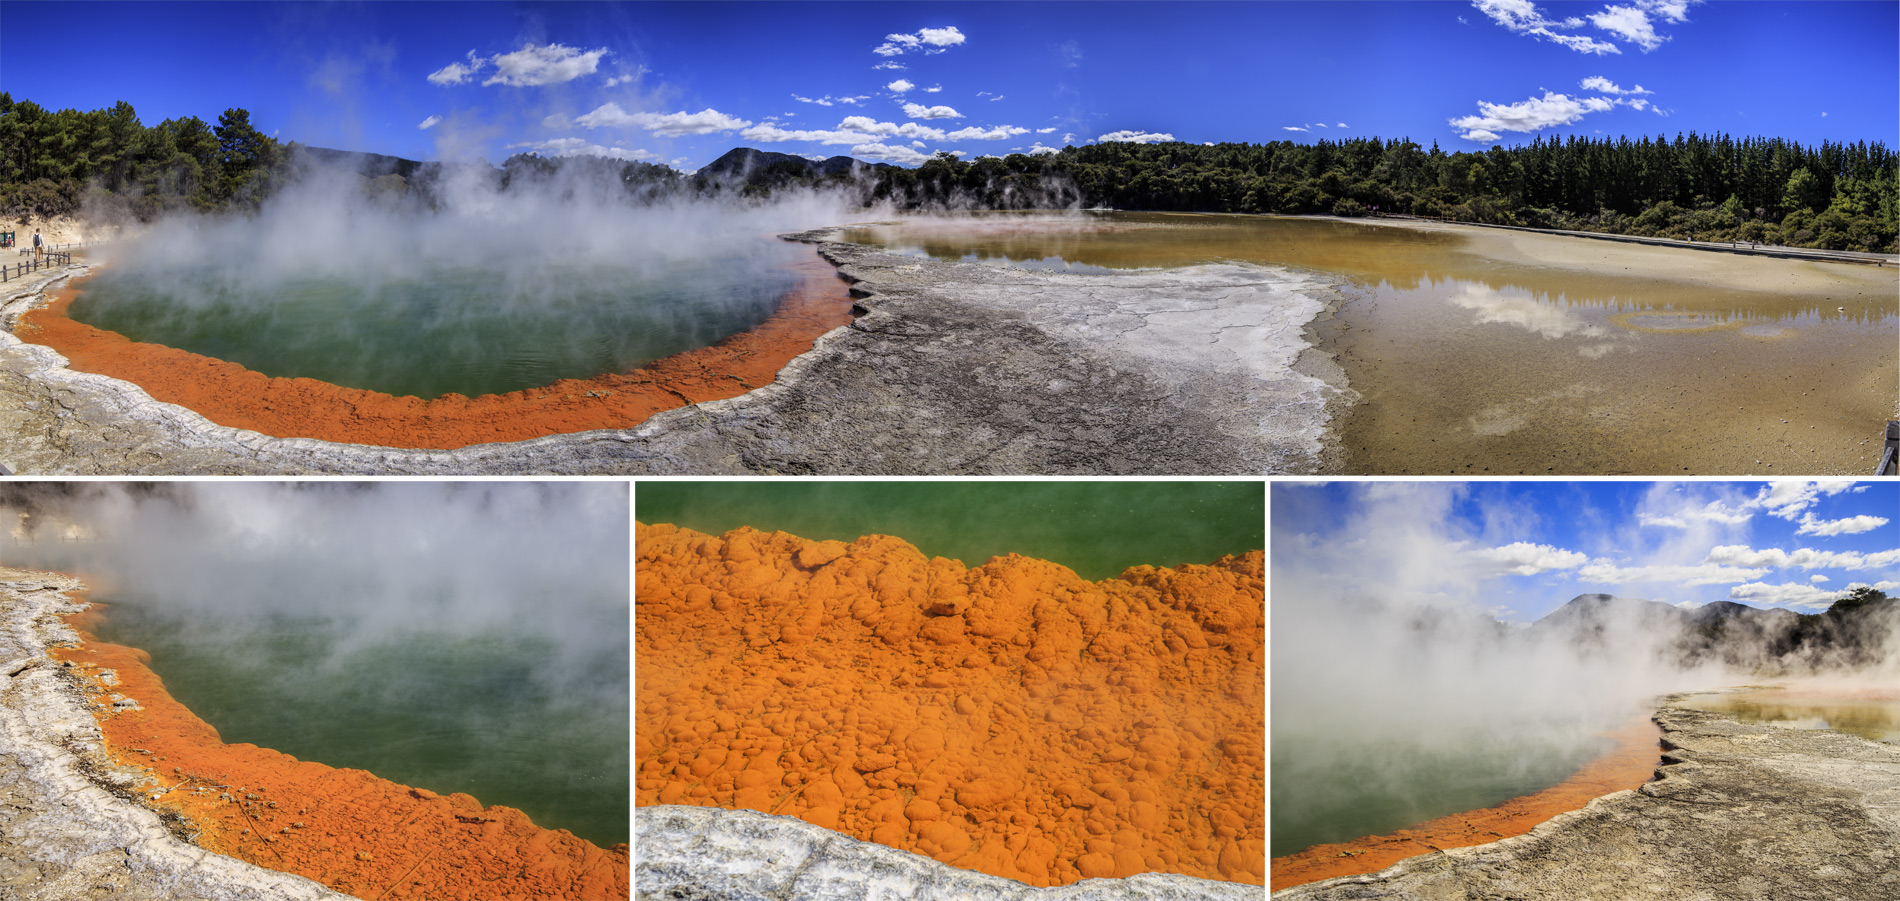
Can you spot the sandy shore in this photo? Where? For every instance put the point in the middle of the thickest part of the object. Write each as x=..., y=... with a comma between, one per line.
x=345, y=829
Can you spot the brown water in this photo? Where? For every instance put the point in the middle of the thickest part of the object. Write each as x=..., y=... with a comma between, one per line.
x=1876, y=718
x=1480, y=350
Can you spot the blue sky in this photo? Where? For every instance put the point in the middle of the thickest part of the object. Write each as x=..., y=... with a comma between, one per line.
x=1520, y=549
x=683, y=83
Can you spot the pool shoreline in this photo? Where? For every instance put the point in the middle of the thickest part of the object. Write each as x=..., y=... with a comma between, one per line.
x=1819, y=813
x=348, y=828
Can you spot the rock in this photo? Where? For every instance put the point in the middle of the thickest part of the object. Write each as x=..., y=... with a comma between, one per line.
x=708, y=854
x=1739, y=811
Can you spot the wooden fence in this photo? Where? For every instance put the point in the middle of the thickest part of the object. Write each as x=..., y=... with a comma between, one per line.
x=1890, y=454
x=47, y=260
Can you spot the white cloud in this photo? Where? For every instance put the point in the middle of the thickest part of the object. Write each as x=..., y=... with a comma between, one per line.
x=998, y=133
x=431, y=122
x=1043, y=131
x=773, y=134
x=899, y=86
x=1476, y=134
x=1526, y=559
x=581, y=147
x=869, y=128
x=919, y=111
x=1630, y=24
x=1853, y=525
x=1704, y=574
x=1341, y=125
x=1603, y=85
x=1789, y=499
x=549, y=64
x=1038, y=149
x=1536, y=113
x=929, y=40
x=1817, y=578
x=1523, y=17
x=458, y=73
x=1802, y=558
x=1795, y=594
x=821, y=101
x=933, y=89
x=890, y=64
x=903, y=155
x=706, y=121
x=1713, y=511
x=1134, y=137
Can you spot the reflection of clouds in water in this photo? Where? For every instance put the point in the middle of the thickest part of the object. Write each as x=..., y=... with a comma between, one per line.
x=1596, y=351
x=1503, y=419
x=1524, y=311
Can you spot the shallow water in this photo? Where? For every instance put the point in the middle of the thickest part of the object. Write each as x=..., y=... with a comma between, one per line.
x=1872, y=718
x=1472, y=359
x=432, y=329
x=1095, y=528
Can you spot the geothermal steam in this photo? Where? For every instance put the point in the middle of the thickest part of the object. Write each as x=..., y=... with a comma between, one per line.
x=393, y=600
x=457, y=285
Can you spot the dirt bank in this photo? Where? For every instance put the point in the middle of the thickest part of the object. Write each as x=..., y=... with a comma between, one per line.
x=346, y=829
x=1011, y=719
x=1630, y=763
x=1737, y=812
x=231, y=395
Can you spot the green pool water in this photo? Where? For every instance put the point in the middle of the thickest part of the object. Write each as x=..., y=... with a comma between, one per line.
x=1097, y=529
x=431, y=328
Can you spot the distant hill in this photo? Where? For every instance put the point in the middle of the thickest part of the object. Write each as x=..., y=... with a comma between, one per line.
x=746, y=166
x=1856, y=630
x=368, y=165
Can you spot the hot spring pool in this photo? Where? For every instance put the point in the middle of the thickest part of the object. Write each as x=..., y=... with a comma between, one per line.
x=432, y=327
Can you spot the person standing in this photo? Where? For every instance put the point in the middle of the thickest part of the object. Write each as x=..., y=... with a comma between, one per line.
x=39, y=247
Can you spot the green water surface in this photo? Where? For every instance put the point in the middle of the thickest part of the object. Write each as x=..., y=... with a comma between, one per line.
x=1097, y=529
x=489, y=713
x=438, y=329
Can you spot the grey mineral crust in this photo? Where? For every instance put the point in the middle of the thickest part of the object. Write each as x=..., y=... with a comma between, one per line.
x=1740, y=811
x=952, y=368
x=67, y=833
x=707, y=854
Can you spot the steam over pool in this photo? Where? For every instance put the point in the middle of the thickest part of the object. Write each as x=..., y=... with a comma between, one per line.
x=487, y=291
x=453, y=637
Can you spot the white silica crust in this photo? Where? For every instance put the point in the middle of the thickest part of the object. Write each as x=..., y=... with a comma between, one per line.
x=685, y=853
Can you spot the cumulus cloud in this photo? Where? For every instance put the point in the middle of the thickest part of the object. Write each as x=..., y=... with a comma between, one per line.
x=1037, y=149
x=899, y=86
x=706, y=121
x=458, y=73
x=1134, y=137
x=1789, y=500
x=1293, y=128
x=582, y=147
x=771, y=133
x=896, y=154
x=1547, y=111
x=1800, y=558
x=1703, y=574
x=1605, y=86
x=1526, y=559
x=1711, y=512
x=1523, y=17
x=430, y=122
x=997, y=133
x=829, y=100
x=1043, y=131
x=929, y=40
x=868, y=127
x=1795, y=594
x=919, y=111
x=1853, y=525
x=544, y=64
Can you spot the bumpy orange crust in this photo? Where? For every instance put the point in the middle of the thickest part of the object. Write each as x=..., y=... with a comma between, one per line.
x=1012, y=718
x=347, y=829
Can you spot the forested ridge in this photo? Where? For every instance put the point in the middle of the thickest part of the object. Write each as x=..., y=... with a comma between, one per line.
x=1710, y=187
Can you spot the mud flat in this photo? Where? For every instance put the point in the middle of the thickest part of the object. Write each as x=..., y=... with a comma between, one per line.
x=69, y=828
x=1738, y=811
x=951, y=368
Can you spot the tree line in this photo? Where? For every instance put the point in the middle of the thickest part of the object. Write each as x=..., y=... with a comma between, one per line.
x=1707, y=187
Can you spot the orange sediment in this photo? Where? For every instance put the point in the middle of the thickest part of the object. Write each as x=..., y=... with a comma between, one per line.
x=1631, y=762
x=345, y=828
x=1011, y=718
x=231, y=395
